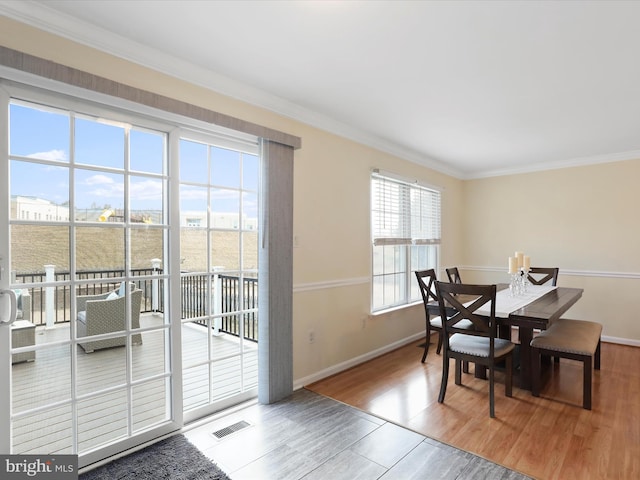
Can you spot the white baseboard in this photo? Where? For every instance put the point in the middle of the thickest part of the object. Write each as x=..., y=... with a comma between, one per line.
x=327, y=372
x=340, y=367
x=621, y=341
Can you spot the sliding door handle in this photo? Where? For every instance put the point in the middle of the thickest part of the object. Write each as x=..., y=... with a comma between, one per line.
x=12, y=300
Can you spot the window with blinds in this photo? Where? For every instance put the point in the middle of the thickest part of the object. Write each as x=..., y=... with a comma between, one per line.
x=405, y=231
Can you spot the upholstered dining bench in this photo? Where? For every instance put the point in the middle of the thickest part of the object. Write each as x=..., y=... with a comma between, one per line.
x=573, y=339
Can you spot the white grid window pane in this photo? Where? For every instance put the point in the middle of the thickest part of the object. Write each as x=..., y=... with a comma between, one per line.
x=425, y=216
x=389, y=207
x=405, y=229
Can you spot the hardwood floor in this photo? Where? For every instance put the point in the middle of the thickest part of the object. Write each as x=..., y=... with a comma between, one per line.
x=551, y=437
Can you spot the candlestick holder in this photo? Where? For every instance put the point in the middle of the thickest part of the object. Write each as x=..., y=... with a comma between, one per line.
x=519, y=282
x=515, y=285
x=524, y=278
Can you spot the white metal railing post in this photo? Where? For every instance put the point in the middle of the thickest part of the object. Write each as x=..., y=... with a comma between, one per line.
x=217, y=300
x=49, y=294
x=155, y=284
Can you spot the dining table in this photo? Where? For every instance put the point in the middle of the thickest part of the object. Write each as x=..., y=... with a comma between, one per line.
x=537, y=309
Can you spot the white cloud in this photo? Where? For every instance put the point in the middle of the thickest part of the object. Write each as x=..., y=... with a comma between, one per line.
x=99, y=180
x=58, y=155
x=146, y=190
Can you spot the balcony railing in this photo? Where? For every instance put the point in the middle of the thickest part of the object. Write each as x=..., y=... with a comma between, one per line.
x=199, y=297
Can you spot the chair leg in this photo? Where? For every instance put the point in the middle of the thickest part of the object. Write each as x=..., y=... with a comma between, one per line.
x=492, y=412
x=586, y=381
x=426, y=341
x=458, y=372
x=445, y=377
x=439, y=349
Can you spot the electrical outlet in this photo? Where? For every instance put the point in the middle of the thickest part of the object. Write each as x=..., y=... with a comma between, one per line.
x=312, y=336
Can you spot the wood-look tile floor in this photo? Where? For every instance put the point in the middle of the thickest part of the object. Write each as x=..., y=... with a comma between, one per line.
x=309, y=436
x=551, y=437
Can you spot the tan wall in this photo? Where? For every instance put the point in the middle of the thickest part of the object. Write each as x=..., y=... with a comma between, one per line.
x=583, y=220
x=331, y=211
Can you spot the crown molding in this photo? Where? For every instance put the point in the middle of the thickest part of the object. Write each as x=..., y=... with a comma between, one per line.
x=50, y=20
x=556, y=165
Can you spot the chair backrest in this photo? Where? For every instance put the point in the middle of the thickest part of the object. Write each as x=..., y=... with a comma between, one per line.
x=426, y=282
x=542, y=275
x=465, y=300
x=454, y=275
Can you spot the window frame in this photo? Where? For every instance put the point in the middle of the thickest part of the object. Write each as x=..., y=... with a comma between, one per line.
x=393, y=211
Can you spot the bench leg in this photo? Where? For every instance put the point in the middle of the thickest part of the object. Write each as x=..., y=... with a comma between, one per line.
x=586, y=389
x=597, y=357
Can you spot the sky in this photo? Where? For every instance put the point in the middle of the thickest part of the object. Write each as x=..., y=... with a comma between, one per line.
x=97, y=148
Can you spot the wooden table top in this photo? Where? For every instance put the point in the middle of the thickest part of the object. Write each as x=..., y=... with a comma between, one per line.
x=546, y=309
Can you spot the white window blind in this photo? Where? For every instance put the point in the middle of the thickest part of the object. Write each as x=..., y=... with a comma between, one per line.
x=403, y=213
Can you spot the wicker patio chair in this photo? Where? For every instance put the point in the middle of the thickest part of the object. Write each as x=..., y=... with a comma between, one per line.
x=98, y=315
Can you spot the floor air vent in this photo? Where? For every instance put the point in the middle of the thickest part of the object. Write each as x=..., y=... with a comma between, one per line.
x=223, y=432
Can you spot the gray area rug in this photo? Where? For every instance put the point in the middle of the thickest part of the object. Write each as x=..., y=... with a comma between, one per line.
x=174, y=458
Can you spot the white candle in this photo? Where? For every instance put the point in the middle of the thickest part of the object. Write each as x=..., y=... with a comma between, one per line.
x=526, y=262
x=513, y=265
x=520, y=258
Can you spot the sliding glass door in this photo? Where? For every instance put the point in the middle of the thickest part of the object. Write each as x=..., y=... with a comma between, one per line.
x=84, y=249
x=130, y=246
x=219, y=271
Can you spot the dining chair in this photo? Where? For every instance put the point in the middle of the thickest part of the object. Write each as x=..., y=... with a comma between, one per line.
x=426, y=279
x=542, y=275
x=480, y=345
x=454, y=275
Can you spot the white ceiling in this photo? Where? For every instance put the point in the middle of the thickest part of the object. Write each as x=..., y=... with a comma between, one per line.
x=471, y=88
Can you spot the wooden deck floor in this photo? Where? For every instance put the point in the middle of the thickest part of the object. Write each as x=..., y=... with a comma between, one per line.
x=45, y=384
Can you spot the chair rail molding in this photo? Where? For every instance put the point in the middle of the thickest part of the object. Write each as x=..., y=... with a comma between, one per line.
x=346, y=282
x=574, y=273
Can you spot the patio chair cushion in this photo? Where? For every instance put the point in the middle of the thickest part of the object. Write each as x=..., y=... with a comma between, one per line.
x=23, y=304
